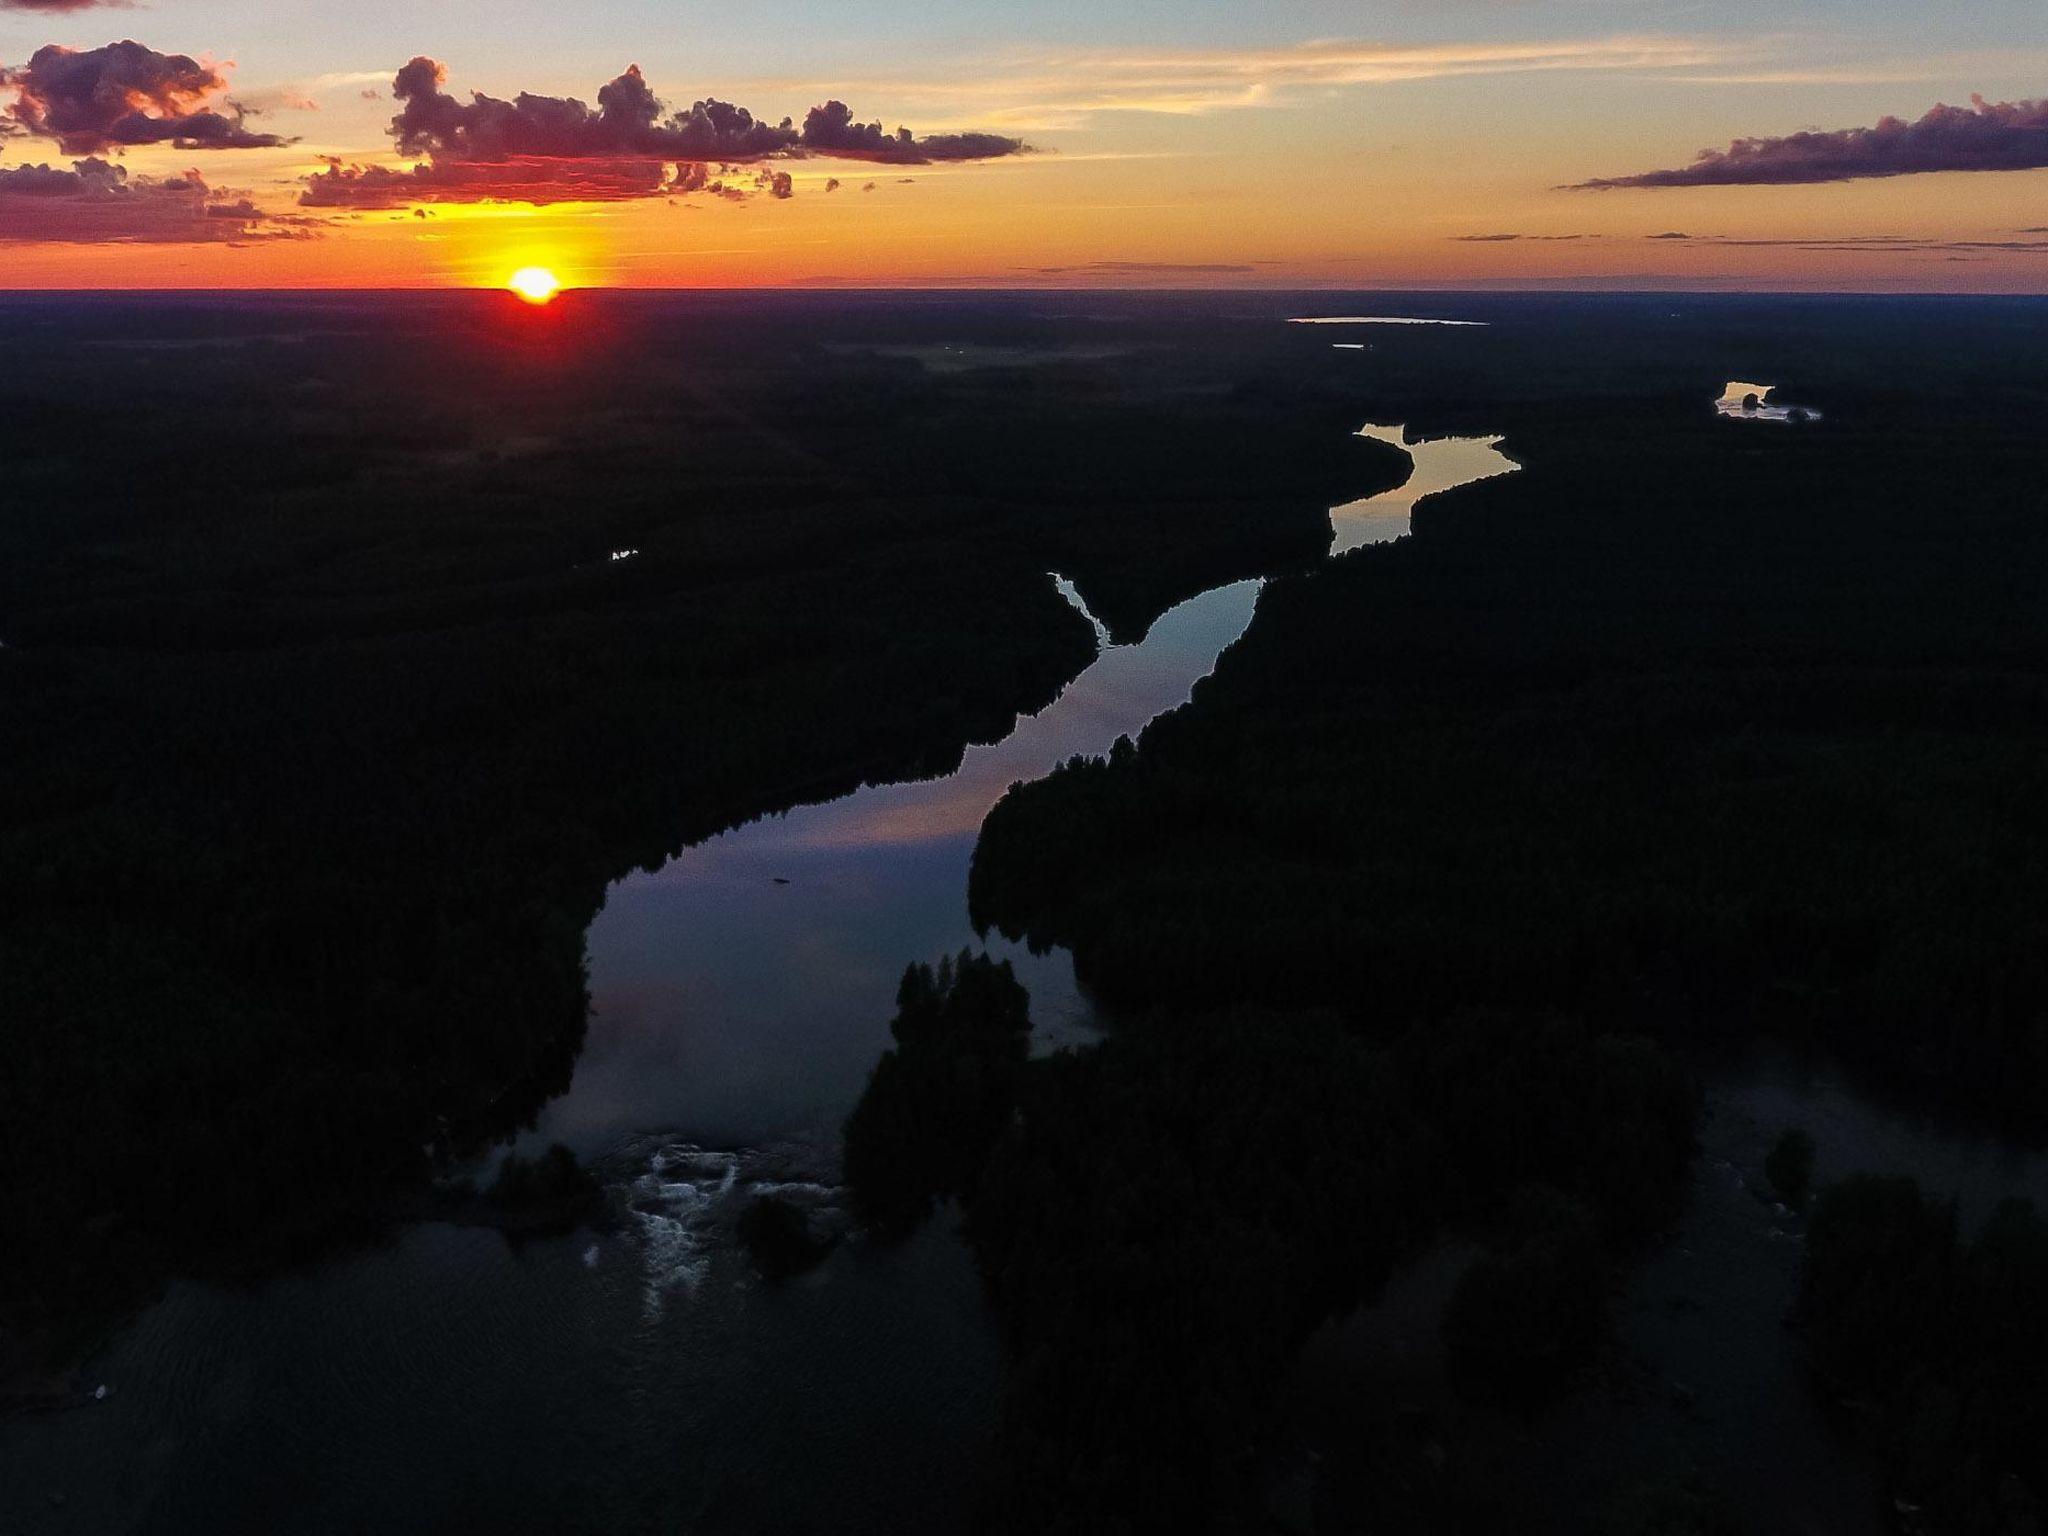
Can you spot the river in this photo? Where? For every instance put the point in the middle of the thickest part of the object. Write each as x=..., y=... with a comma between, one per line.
x=644, y=1379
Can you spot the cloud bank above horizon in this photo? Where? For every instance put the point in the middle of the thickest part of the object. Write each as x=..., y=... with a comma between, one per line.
x=547, y=149
x=1986, y=136
x=1201, y=146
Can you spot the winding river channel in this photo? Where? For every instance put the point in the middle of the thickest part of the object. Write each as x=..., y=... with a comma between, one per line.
x=643, y=1379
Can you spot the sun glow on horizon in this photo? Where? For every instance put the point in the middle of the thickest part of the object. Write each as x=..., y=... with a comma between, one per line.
x=536, y=285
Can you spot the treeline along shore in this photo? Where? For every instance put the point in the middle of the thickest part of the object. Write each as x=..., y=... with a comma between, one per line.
x=1693, y=730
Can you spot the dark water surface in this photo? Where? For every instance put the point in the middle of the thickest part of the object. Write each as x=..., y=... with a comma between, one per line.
x=1703, y=1376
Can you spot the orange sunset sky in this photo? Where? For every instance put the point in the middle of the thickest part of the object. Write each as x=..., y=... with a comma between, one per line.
x=203, y=143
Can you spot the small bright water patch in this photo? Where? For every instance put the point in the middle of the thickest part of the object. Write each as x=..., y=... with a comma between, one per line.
x=1742, y=401
x=1073, y=595
x=1440, y=465
x=1379, y=320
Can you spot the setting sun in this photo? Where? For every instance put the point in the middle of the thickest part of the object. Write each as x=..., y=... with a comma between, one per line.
x=536, y=285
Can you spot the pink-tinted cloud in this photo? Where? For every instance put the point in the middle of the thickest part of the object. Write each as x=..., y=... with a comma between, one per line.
x=97, y=202
x=628, y=121
x=51, y=6
x=558, y=149
x=1985, y=136
x=516, y=179
x=104, y=99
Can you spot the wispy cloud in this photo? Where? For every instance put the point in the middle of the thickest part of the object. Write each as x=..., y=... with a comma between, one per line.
x=1812, y=61
x=1046, y=90
x=1149, y=269
x=1878, y=245
x=330, y=81
x=1866, y=245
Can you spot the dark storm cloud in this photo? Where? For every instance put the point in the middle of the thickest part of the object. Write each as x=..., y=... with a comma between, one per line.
x=543, y=148
x=107, y=98
x=1986, y=136
x=97, y=202
x=830, y=130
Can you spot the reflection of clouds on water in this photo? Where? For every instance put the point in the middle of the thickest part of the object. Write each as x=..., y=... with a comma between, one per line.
x=743, y=991
x=1118, y=694
x=686, y=1200
x=745, y=988
x=673, y=1205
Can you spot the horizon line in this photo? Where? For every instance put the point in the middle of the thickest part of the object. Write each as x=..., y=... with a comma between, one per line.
x=827, y=290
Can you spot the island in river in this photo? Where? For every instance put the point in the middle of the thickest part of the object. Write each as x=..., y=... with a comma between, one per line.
x=1565, y=794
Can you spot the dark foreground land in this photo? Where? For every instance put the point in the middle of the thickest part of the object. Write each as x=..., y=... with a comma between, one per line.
x=328, y=713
